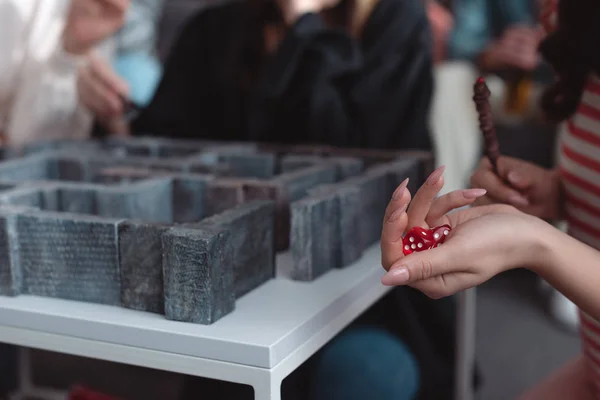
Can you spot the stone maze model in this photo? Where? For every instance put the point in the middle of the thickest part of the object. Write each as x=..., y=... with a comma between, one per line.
x=184, y=228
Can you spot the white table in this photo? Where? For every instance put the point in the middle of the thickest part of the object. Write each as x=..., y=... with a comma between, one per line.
x=272, y=331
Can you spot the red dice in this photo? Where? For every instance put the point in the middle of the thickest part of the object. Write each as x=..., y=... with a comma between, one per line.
x=420, y=239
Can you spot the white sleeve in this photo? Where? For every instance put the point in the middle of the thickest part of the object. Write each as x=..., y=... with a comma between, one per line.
x=45, y=104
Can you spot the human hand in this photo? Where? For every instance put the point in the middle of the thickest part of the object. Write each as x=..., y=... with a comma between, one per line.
x=101, y=91
x=516, y=48
x=483, y=242
x=89, y=22
x=292, y=10
x=423, y=212
x=548, y=14
x=532, y=189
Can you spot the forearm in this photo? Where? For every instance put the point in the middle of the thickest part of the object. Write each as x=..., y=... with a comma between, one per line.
x=571, y=267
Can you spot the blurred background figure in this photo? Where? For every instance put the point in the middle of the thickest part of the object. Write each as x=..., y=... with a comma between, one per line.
x=42, y=45
x=442, y=23
x=270, y=72
x=128, y=69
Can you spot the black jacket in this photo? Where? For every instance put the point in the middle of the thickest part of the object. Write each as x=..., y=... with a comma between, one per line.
x=321, y=85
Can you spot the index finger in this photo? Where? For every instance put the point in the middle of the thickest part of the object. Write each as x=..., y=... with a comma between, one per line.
x=394, y=225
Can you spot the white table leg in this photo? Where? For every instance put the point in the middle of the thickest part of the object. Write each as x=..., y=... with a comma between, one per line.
x=465, y=344
x=267, y=389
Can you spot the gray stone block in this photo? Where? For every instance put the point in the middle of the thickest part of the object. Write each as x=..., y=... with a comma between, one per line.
x=80, y=199
x=189, y=198
x=375, y=194
x=175, y=151
x=150, y=201
x=397, y=171
x=198, y=275
x=259, y=165
x=6, y=186
x=66, y=169
x=219, y=169
x=285, y=189
x=25, y=169
x=295, y=162
x=141, y=266
x=346, y=166
x=297, y=183
x=120, y=175
x=252, y=240
x=7, y=153
x=256, y=191
x=224, y=194
x=123, y=149
x=50, y=198
x=69, y=256
x=23, y=196
x=349, y=243
x=312, y=239
x=11, y=277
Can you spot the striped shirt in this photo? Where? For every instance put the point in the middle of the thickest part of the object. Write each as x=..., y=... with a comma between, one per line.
x=580, y=169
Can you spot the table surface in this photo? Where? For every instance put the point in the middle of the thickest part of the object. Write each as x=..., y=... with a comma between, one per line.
x=266, y=327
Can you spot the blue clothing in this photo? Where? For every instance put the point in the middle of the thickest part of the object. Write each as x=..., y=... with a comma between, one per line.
x=478, y=22
x=365, y=363
x=136, y=60
x=142, y=72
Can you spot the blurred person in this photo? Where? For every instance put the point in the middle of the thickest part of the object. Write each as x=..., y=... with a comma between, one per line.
x=501, y=37
x=42, y=45
x=352, y=73
x=442, y=23
x=497, y=35
x=127, y=71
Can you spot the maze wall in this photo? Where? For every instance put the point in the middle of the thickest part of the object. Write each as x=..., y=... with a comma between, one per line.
x=185, y=228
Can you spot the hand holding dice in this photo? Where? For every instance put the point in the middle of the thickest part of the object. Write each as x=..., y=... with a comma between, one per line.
x=421, y=239
x=425, y=225
x=439, y=248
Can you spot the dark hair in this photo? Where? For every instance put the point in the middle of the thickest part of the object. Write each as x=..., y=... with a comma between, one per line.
x=573, y=50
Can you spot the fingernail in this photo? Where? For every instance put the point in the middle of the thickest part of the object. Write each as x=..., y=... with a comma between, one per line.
x=518, y=200
x=398, y=213
x=436, y=175
x=514, y=177
x=400, y=191
x=474, y=193
x=395, y=277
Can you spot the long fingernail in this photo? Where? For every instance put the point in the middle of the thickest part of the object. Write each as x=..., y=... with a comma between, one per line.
x=514, y=177
x=436, y=175
x=518, y=200
x=398, y=213
x=400, y=190
x=474, y=193
x=395, y=277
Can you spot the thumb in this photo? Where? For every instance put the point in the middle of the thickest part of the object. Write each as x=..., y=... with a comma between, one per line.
x=515, y=173
x=422, y=266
